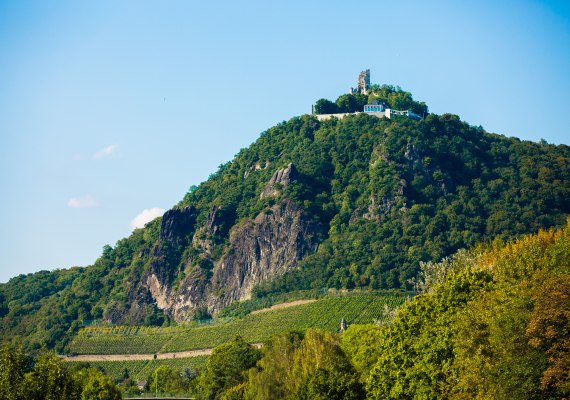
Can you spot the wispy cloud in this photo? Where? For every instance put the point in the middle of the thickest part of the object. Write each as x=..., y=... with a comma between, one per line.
x=106, y=152
x=83, y=202
x=146, y=216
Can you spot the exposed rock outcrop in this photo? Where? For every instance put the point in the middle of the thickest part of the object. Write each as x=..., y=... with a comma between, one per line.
x=379, y=206
x=256, y=167
x=280, y=180
x=258, y=250
x=150, y=290
x=262, y=249
x=176, y=224
x=209, y=266
x=176, y=230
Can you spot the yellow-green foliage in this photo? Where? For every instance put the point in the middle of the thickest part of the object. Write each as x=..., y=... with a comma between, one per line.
x=274, y=375
x=499, y=329
x=311, y=366
x=513, y=341
x=359, y=342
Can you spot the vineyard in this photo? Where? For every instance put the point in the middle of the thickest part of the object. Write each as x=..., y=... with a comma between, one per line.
x=141, y=370
x=324, y=313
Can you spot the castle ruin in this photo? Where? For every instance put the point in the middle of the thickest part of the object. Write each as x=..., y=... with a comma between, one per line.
x=363, y=83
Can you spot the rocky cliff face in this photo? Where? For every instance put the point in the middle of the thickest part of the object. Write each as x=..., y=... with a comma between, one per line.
x=152, y=288
x=261, y=249
x=257, y=250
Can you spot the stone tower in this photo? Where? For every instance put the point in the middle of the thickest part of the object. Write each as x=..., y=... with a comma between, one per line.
x=342, y=325
x=363, y=81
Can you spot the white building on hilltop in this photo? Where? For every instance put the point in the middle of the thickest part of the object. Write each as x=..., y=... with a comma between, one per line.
x=376, y=108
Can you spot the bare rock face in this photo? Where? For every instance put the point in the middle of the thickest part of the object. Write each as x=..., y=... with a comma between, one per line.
x=379, y=206
x=258, y=250
x=280, y=180
x=152, y=288
x=176, y=224
x=183, y=274
x=267, y=247
x=256, y=167
x=175, y=234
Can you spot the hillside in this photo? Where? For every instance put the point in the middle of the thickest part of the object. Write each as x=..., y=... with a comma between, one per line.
x=351, y=203
x=490, y=323
x=326, y=313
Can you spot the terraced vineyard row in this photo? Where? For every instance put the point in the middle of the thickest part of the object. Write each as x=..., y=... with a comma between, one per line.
x=119, y=343
x=325, y=313
x=141, y=370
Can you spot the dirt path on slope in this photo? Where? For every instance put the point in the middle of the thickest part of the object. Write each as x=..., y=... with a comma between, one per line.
x=138, y=357
x=284, y=305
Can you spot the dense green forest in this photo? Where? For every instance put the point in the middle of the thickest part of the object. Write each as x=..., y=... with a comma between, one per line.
x=385, y=194
x=491, y=323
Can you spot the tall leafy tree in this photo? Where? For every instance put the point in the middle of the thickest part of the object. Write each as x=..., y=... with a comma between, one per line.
x=349, y=103
x=272, y=378
x=321, y=370
x=360, y=344
x=226, y=367
x=12, y=371
x=324, y=106
x=512, y=341
x=549, y=330
x=96, y=386
x=49, y=379
x=417, y=350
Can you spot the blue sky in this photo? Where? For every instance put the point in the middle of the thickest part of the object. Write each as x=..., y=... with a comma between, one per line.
x=111, y=108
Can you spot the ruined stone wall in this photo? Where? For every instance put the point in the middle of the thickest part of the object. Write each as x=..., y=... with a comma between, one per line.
x=364, y=81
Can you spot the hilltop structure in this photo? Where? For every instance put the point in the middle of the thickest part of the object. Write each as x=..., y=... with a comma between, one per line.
x=363, y=83
x=376, y=108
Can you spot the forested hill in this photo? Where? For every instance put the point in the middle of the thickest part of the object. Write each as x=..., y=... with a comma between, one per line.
x=351, y=203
